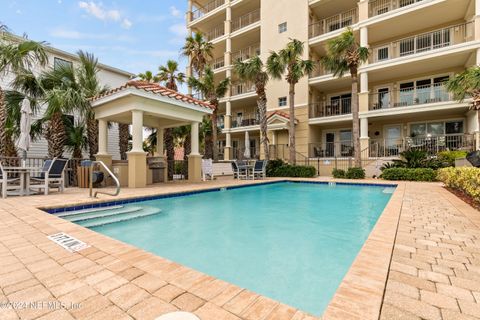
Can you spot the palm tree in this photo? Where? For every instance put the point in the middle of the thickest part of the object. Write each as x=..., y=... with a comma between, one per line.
x=212, y=92
x=170, y=75
x=289, y=61
x=123, y=138
x=199, y=50
x=77, y=140
x=467, y=85
x=90, y=85
x=253, y=71
x=63, y=95
x=148, y=77
x=344, y=54
x=16, y=57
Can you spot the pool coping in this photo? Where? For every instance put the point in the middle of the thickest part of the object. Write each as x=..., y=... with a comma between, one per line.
x=359, y=294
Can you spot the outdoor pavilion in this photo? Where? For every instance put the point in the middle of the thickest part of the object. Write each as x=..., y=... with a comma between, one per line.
x=144, y=104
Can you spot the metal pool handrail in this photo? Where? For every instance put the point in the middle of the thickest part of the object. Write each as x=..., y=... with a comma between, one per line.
x=117, y=182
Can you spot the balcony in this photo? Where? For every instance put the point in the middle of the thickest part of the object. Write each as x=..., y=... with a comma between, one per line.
x=432, y=144
x=218, y=63
x=331, y=108
x=202, y=11
x=246, y=20
x=413, y=96
x=215, y=32
x=425, y=42
x=378, y=7
x=319, y=70
x=246, y=53
x=333, y=23
x=242, y=88
x=246, y=120
x=341, y=149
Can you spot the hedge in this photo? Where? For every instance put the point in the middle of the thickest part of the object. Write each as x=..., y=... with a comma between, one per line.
x=409, y=174
x=294, y=171
x=465, y=179
x=351, y=173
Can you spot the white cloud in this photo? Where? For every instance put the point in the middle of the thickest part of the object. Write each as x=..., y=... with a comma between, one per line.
x=175, y=12
x=179, y=32
x=98, y=11
x=126, y=24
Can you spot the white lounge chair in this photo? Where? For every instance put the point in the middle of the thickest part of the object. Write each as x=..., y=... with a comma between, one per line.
x=52, y=176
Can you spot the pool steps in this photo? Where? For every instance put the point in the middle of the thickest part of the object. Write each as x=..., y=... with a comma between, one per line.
x=95, y=217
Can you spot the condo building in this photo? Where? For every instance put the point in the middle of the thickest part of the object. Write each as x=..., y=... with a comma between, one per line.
x=415, y=46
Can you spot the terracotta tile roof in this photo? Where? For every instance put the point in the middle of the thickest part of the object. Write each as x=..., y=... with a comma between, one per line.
x=285, y=115
x=156, y=89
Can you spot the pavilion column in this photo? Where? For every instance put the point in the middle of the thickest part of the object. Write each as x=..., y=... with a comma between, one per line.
x=102, y=154
x=137, y=158
x=159, y=152
x=195, y=158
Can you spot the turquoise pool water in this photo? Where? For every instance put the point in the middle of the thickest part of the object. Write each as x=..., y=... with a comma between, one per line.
x=292, y=242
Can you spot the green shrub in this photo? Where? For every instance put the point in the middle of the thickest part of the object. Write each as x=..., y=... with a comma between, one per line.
x=409, y=174
x=338, y=173
x=465, y=179
x=355, y=173
x=273, y=165
x=448, y=157
x=294, y=171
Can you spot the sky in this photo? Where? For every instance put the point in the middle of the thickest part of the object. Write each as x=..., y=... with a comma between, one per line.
x=131, y=35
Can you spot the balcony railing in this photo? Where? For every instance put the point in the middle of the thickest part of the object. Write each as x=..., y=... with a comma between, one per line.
x=432, y=144
x=378, y=7
x=238, y=153
x=333, y=23
x=198, y=96
x=424, y=42
x=245, y=121
x=319, y=70
x=246, y=53
x=433, y=93
x=331, y=149
x=246, y=20
x=200, y=12
x=215, y=32
x=331, y=108
x=218, y=63
x=242, y=88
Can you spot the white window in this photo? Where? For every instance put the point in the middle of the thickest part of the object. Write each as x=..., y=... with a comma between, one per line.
x=282, y=102
x=382, y=54
x=58, y=62
x=282, y=27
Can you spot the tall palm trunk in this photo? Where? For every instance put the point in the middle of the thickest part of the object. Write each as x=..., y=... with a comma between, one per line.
x=214, y=129
x=123, y=135
x=170, y=147
x=262, y=112
x=208, y=153
x=7, y=147
x=187, y=146
x=291, y=131
x=56, y=136
x=92, y=136
x=356, y=121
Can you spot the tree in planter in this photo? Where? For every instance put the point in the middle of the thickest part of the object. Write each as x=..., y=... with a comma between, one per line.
x=16, y=56
x=289, y=61
x=467, y=85
x=344, y=54
x=253, y=70
x=212, y=92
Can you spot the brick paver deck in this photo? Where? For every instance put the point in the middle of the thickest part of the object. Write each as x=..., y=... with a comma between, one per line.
x=434, y=273
x=435, y=268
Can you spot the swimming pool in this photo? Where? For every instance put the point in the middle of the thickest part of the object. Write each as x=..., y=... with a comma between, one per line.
x=292, y=242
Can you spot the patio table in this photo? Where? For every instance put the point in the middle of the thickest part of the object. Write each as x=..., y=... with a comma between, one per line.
x=24, y=173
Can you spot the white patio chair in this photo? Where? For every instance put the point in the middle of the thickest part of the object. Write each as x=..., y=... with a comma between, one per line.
x=260, y=169
x=5, y=182
x=52, y=176
x=207, y=169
